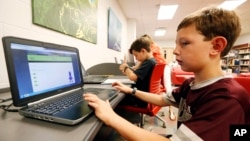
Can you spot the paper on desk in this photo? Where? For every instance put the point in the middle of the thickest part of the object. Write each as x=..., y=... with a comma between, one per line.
x=125, y=81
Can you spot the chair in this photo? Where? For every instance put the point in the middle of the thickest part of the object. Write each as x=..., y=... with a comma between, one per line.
x=244, y=82
x=178, y=76
x=246, y=74
x=156, y=87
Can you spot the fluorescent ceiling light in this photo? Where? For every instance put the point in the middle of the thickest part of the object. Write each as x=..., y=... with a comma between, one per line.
x=231, y=4
x=166, y=12
x=160, y=32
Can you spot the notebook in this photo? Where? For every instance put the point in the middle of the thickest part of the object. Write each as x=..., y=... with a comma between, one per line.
x=122, y=80
x=92, y=79
x=46, y=81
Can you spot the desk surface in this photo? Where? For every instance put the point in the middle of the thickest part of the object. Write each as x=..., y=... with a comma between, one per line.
x=16, y=127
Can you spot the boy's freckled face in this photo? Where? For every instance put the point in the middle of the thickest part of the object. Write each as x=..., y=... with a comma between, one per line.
x=191, y=51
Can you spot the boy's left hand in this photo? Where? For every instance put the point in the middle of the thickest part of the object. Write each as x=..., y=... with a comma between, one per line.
x=124, y=64
x=121, y=87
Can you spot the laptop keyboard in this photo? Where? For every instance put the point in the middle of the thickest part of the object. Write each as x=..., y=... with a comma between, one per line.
x=57, y=105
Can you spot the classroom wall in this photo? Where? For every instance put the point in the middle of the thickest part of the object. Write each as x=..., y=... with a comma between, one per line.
x=16, y=20
x=243, y=39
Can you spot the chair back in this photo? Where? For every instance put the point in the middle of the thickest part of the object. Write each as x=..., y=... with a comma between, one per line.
x=244, y=82
x=156, y=86
x=178, y=76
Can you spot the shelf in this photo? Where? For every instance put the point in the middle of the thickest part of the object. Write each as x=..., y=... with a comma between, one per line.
x=238, y=58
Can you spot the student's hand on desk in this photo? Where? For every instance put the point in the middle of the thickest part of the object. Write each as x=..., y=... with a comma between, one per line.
x=103, y=110
x=121, y=87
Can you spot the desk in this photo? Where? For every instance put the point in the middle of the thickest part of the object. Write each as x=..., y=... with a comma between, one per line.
x=15, y=127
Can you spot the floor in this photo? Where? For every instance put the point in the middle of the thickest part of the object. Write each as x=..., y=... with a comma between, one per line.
x=152, y=124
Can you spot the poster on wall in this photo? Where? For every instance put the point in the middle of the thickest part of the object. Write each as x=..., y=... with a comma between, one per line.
x=114, y=31
x=77, y=18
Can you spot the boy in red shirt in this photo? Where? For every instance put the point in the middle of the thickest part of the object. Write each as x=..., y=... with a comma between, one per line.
x=208, y=103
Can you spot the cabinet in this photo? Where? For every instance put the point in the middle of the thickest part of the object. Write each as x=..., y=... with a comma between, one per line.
x=244, y=57
x=168, y=54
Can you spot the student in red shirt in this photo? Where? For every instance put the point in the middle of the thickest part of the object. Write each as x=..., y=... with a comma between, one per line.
x=156, y=50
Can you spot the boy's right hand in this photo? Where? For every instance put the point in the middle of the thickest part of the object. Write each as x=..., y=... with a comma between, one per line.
x=103, y=110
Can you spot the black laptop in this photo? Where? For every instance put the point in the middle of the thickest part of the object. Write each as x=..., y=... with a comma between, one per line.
x=92, y=79
x=46, y=81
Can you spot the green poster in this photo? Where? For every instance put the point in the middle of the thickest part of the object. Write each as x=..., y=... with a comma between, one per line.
x=77, y=18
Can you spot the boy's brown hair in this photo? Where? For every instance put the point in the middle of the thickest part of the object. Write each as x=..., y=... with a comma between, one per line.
x=140, y=43
x=212, y=22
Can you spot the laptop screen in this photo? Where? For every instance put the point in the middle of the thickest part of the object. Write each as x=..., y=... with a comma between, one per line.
x=37, y=70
